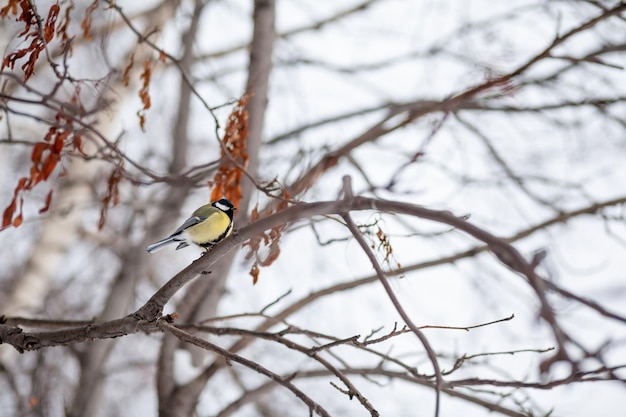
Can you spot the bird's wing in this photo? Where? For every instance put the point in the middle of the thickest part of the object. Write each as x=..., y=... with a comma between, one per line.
x=192, y=221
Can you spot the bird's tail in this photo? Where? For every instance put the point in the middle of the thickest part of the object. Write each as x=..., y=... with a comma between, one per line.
x=160, y=244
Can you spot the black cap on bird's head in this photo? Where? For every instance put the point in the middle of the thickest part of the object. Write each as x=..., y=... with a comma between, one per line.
x=224, y=205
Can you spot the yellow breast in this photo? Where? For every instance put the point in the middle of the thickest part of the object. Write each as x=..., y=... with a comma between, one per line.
x=215, y=226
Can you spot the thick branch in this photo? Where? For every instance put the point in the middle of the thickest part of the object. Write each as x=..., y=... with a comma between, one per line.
x=151, y=311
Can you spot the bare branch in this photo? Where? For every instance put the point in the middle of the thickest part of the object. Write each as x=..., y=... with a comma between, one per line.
x=286, y=382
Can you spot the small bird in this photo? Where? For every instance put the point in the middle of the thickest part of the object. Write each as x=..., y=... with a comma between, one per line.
x=207, y=226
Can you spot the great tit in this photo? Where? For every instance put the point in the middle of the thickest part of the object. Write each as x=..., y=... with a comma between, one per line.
x=207, y=226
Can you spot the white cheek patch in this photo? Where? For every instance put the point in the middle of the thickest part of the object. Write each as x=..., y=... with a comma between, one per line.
x=222, y=206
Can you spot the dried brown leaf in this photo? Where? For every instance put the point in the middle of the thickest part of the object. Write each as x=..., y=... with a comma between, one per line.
x=48, y=30
x=45, y=208
x=111, y=199
x=10, y=8
x=87, y=20
x=254, y=271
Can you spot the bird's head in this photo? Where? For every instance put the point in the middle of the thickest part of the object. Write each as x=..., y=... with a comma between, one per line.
x=224, y=205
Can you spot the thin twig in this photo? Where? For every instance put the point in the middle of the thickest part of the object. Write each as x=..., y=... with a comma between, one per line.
x=232, y=357
x=392, y=296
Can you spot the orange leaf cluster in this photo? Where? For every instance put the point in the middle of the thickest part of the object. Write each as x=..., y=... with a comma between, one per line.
x=227, y=180
x=38, y=44
x=269, y=239
x=112, y=198
x=45, y=157
x=144, y=94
